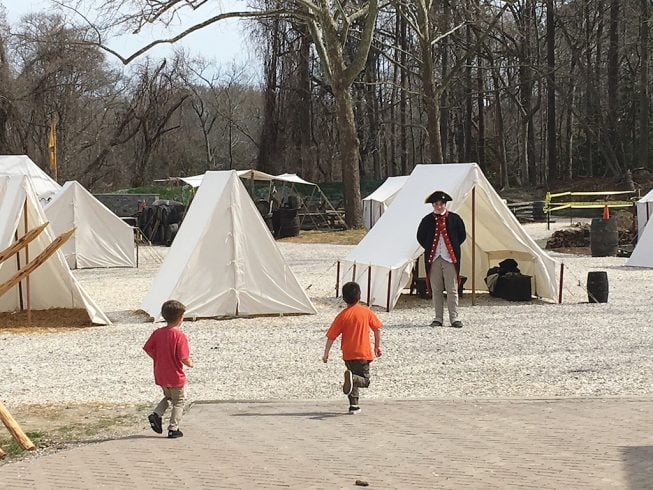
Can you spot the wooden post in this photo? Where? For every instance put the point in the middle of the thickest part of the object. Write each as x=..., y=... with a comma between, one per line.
x=27, y=285
x=15, y=430
x=562, y=274
x=474, y=246
x=338, y=279
x=389, y=285
x=369, y=283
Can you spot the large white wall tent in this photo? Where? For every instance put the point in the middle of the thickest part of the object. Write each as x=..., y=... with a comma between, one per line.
x=390, y=248
x=44, y=186
x=377, y=203
x=224, y=261
x=101, y=239
x=52, y=285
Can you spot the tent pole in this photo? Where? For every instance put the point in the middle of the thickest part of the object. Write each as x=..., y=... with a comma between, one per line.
x=353, y=276
x=562, y=274
x=369, y=283
x=27, y=285
x=387, y=308
x=20, y=284
x=474, y=246
x=338, y=279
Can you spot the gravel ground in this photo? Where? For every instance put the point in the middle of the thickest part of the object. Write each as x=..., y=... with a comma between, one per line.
x=505, y=350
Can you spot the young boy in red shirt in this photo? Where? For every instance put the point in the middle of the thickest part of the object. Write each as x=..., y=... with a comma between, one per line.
x=168, y=347
x=354, y=324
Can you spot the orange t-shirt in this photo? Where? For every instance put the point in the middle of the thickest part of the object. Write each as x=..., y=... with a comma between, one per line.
x=354, y=323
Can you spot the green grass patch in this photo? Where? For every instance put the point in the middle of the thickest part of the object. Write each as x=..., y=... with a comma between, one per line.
x=13, y=449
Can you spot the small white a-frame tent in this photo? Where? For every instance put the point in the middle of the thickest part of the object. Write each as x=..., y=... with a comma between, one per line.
x=101, y=239
x=390, y=248
x=644, y=213
x=377, y=203
x=642, y=256
x=224, y=261
x=44, y=186
x=52, y=285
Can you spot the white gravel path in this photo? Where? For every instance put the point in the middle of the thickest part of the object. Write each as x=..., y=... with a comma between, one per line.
x=505, y=350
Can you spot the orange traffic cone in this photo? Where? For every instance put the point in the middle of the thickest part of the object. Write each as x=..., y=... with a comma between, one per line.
x=606, y=212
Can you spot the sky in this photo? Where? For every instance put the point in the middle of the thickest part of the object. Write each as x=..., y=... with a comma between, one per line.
x=224, y=42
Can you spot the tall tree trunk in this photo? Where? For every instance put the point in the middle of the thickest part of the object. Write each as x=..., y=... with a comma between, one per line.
x=504, y=182
x=268, y=149
x=552, y=152
x=469, y=98
x=349, y=153
x=644, y=87
x=613, y=78
x=303, y=123
x=480, y=98
x=431, y=95
x=403, y=102
x=444, y=108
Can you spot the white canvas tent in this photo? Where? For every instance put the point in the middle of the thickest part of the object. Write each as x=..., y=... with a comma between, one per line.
x=377, y=203
x=44, y=186
x=101, y=239
x=642, y=256
x=52, y=285
x=226, y=262
x=644, y=213
x=390, y=248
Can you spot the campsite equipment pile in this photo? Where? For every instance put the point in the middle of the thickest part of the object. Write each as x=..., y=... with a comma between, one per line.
x=160, y=221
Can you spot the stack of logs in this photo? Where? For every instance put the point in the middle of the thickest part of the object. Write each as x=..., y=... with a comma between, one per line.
x=577, y=235
x=15, y=430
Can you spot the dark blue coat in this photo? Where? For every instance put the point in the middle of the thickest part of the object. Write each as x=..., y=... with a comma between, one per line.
x=455, y=230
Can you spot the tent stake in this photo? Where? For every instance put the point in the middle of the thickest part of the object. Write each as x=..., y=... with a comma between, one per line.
x=474, y=246
x=369, y=283
x=338, y=279
x=389, y=284
x=562, y=274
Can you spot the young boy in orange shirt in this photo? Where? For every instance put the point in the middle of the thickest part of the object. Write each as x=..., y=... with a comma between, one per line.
x=354, y=324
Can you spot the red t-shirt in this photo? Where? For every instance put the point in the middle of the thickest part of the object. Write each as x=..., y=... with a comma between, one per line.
x=168, y=346
x=354, y=323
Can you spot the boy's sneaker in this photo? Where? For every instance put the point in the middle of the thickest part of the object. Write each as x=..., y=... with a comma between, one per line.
x=155, y=423
x=348, y=385
x=457, y=324
x=354, y=409
x=173, y=434
x=436, y=323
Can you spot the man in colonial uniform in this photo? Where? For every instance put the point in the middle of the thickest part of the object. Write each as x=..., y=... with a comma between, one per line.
x=441, y=233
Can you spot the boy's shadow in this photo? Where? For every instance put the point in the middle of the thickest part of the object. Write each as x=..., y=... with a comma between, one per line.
x=309, y=415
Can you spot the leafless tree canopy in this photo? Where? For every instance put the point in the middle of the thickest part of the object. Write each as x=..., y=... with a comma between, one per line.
x=536, y=91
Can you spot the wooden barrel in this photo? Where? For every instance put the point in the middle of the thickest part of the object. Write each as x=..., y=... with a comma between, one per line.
x=604, y=238
x=597, y=287
x=538, y=211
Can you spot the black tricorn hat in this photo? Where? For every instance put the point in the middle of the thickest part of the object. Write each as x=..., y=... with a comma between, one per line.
x=438, y=196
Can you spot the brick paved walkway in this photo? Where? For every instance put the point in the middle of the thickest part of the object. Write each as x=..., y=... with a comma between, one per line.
x=604, y=443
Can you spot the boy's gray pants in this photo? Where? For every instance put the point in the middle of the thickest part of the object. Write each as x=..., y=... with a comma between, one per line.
x=176, y=398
